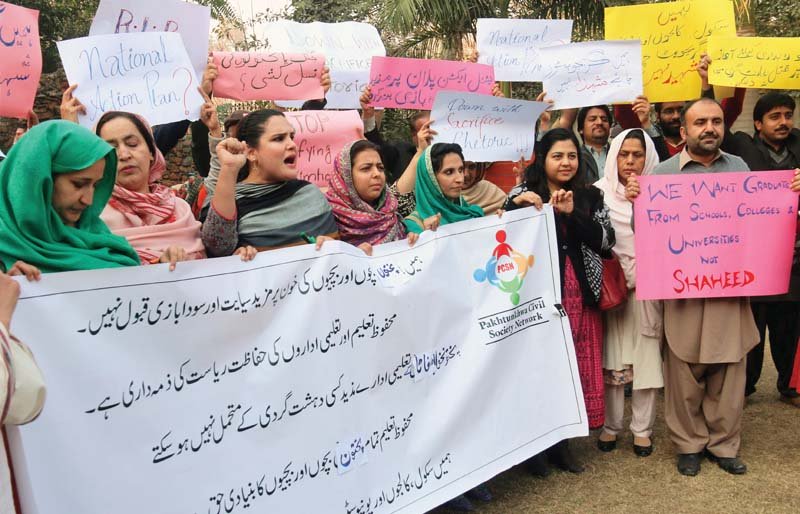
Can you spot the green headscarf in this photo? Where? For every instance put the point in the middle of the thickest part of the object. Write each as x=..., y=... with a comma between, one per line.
x=32, y=231
x=431, y=200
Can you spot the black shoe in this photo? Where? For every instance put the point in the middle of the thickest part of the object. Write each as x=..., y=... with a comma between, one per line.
x=537, y=465
x=461, y=504
x=562, y=457
x=689, y=464
x=606, y=446
x=732, y=465
x=643, y=451
x=480, y=493
x=629, y=390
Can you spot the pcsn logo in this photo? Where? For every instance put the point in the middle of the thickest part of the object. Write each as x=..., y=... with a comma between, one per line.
x=505, y=269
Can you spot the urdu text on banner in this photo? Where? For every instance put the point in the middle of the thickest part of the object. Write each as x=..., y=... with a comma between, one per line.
x=303, y=381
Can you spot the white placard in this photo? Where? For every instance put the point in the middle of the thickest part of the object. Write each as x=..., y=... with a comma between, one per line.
x=593, y=73
x=144, y=73
x=303, y=381
x=348, y=48
x=191, y=21
x=512, y=46
x=488, y=128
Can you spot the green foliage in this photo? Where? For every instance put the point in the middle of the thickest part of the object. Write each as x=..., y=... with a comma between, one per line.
x=777, y=18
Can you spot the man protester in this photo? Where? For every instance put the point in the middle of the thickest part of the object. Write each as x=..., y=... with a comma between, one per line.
x=707, y=339
x=774, y=145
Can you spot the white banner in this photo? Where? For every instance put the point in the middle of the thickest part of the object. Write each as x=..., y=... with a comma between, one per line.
x=593, y=73
x=303, y=381
x=488, y=128
x=348, y=48
x=144, y=73
x=512, y=46
x=191, y=21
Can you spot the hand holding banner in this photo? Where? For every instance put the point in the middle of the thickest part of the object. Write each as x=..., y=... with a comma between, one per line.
x=755, y=62
x=268, y=76
x=714, y=235
x=403, y=83
x=189, y=20
x=593, y=73
x=512, y=46
x=488, y=128
x=320, y=136
x=144, y=73
x=203, y=390
x=20, y=59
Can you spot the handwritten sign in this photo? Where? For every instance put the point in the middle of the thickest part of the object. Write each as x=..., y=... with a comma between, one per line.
x=488, y=128
x=144, y=73
x=191, y=21
x=512, y=46
x=714, y=235
x=403, y=83
x=674, y=35
x=593, y=73
x=268, y=76
x=320, y=136
x=348, y=48
x=755, y=62
x=353, y=407
x=20, y=59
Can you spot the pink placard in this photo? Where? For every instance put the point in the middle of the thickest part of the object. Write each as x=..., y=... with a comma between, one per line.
x=320, y=136
x=714, y=234
x=403, y=83
x=20, y=59
x=268, y=76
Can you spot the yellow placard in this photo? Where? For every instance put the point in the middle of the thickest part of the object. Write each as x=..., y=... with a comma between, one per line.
x=674, y=35
x=755, y=62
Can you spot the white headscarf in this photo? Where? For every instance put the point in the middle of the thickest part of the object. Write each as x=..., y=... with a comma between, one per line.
x=619, y=207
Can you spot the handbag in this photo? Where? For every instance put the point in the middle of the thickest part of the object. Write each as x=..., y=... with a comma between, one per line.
x=614, y=288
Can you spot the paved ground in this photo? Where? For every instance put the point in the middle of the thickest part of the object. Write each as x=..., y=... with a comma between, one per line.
x=621, y=482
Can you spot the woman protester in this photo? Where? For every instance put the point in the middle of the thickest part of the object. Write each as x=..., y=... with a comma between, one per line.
x=258, y=199
x=585, y=235
x=481, y=192
x=437, y=192
x=632, y=350
x=22, y=390
x=363, y=206
x=53, y=187
x=158, y=224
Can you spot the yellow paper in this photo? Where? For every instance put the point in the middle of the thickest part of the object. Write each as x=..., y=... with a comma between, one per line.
x=755, y=62
x=674, y=35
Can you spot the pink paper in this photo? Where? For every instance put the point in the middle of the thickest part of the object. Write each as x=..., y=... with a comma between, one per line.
x=20, y=59
x=714, y=235
x=402, y=83
x=268, y=76
x=320, y=136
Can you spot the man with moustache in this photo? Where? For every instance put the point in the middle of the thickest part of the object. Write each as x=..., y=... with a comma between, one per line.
x=707, y=339
x=594, y=126
x=774, y=145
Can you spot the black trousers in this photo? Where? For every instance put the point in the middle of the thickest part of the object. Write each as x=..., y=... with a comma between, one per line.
x=783, y=321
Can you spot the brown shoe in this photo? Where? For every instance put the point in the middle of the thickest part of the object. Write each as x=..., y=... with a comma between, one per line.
x=794, y=401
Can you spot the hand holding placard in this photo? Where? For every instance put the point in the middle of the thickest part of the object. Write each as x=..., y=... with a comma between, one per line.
x=145, y=73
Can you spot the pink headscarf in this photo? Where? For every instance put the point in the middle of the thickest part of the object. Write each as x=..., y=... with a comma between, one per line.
x=153, y=221
x=358, y=221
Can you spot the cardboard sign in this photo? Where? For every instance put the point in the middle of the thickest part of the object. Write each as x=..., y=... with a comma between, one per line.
x=714, y=234
x=755, y=62
x=20, y=60
x=403, y=83
x=268, y=76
